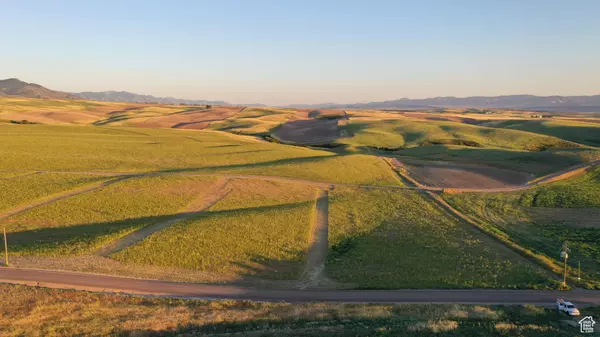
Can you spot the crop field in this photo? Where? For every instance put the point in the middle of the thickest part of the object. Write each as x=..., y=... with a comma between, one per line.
x=36, y=312
x=20, y=188
x=67, y=148
x=383, y=239
x=542, y=219
x=406, y=133
x=575, y=131
x=537, y=163
x=83, y=223
x=259, y=229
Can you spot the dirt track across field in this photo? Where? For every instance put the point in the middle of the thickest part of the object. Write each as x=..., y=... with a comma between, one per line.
x=319, y=244
x=195, y=208
x=60, y=196
x=104, y=283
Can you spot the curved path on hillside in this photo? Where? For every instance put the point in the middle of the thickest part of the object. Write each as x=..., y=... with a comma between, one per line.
x=104, y=283
x=215, y=194
x=61, y=195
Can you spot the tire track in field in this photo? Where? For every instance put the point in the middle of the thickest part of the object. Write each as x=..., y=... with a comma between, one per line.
x=61, y=195
x=22, y=176
x=215, y=194
x=313, y=274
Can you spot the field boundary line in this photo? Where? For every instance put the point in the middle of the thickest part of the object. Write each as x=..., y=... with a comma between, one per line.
x=60, y=196
x=194, y=208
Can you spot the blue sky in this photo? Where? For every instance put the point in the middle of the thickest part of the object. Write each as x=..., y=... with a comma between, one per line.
x=279, y=52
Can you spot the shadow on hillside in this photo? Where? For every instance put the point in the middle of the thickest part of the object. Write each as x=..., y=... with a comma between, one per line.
x=538, y=163
x=285, y=161
x=86, y=238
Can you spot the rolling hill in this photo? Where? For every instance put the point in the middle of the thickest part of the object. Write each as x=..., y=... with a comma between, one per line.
x=124, y=96
x=16, y=87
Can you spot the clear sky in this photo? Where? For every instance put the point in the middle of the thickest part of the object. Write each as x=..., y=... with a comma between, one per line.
x=288, y=51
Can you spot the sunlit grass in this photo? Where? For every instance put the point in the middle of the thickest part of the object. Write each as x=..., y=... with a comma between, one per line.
x=261, y=228
x=85, y=222
x=397, y=239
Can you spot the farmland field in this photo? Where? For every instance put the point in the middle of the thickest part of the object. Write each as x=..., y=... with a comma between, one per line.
x=19, y=188
x=126, y=187
x=542, y=219
x=259, y=228
x=67, y=148
x=85, y=222
x=576, y=131
x=382, y=239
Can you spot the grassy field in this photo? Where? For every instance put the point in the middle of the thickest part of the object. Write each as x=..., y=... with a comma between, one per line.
x=20, y=188
x=67, y=148
x=541, y=219
x=538, y=163
x=406, y=133
x=384, y=239
x=21, y=104
x=575, y=131
x=259, y=229
x=86, y=222
x=36, y=312
x=255, y=121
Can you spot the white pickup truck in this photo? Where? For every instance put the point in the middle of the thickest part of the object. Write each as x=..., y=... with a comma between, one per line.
x=567, y=307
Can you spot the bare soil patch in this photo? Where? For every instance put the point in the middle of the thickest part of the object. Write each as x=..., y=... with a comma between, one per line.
x=312, y=131
x=451, y=175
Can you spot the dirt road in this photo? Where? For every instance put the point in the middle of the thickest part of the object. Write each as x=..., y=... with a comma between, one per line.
x=94, y=282
x=317, y=252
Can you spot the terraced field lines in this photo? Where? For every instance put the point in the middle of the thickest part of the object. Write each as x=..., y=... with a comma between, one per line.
x=217, y=192
x=317, y=251
x=60, y=196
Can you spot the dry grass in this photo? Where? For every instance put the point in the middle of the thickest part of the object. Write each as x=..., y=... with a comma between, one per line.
x=30, y=311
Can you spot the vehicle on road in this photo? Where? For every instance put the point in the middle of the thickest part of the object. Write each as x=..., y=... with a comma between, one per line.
x=567, y=307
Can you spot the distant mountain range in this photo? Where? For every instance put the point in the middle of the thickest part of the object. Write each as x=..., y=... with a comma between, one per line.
x=522, y=102
x=16, y=87
x=124, y=96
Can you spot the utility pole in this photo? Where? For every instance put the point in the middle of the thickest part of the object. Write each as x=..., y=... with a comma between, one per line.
x=579, y=274
x=565, y=255
x=5, y=249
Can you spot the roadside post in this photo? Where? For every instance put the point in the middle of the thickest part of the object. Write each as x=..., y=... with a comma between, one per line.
x=565, y=255
x=5, y=249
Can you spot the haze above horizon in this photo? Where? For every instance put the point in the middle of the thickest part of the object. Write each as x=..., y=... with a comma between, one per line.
x=284, y=52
